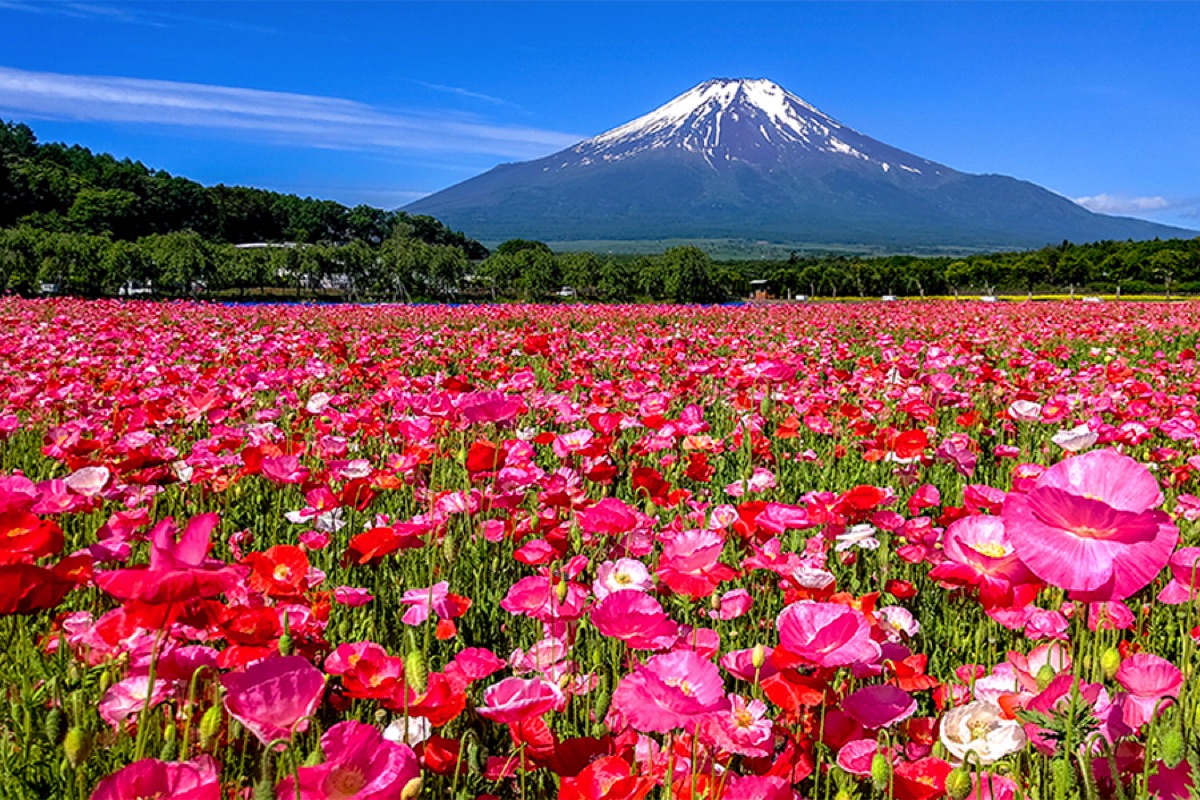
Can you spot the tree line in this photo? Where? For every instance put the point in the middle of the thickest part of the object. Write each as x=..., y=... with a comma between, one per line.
x=76, y=222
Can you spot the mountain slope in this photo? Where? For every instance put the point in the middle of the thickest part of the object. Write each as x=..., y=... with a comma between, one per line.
x=747, y=159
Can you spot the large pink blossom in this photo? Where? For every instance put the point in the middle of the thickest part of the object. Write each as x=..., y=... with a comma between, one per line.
x=635, y=618
x=516, y=699
x=1088, y=526
x=824, y=635
x=272, y=697
x=1149, y=682
x=150, y=778
x=360, y=764
x=671, y=691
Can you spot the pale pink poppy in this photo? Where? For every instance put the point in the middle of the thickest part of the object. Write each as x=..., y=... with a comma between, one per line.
x=360, y=764
x=1185, y=577
x=616, y=576
x=1148, y=681
x=674, y=690
x=150, y=778
x=273, y=697
x=635, y=618
x=743, y=728
x=128, y=697
x=1088, y=526
x=1025, y=411
x=88, y=481
x=879, y=706
x=516, y=699
x=420, y=602
x=824, y=635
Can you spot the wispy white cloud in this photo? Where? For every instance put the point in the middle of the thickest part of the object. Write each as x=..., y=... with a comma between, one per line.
x=1123, y=204
x=456, y=90
x=296, y=119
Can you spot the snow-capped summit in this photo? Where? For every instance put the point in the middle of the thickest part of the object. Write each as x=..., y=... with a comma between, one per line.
x=747, y=119
x=747, y=159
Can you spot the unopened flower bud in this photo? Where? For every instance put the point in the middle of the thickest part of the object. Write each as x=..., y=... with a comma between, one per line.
x=411, y=789
x=560, y=591
x=77, y=745
x=416, y=674
x=958, y=783
x=881, y=772
x=210, y=727
x=758, y=656
x=1045, y=676
x=1170, y=748
x=53, y=726
x=1110, y=662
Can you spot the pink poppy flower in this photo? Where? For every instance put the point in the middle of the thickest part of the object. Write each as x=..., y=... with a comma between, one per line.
x=360, y=764
x=879, y=706
x=536, y=597
x=674, y=690
x=1185, y=577
x=516, y=699
x=148, y=778
x=127, y=698
x=1087, y=526
x=734, y=604
x=609, y=516
x=178, y=571
x=272, y=697
x=352, y=596
x=856, y=755
x=1147, y=679
x=743, y=728
x=979, y=553
x=690, y=565
x=436, y=598
x=824, y=635
x=635, y=618
x=740, y=663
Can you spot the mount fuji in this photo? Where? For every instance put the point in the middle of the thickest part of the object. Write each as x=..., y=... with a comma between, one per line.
x=746, y=159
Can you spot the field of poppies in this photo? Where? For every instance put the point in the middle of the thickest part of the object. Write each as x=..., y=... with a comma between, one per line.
x=834, y=551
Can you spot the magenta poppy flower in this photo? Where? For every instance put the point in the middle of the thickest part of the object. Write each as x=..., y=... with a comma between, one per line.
x=1185, y=577
x=183, y=780
x=1088, y=526
x=1147, y=679
x=272, y=697
x=178, y=570
x=824, y=635
x=879, y=706
x=360, y=764
x=609, y=516
x=674, y=690
x=517, y=699
x=635, y=618
x=979, y=553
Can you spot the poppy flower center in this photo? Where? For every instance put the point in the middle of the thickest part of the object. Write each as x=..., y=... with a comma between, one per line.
x=990, y=549
x=282, y=572
x=345, y=782
x=681, y=684
x=743, y=718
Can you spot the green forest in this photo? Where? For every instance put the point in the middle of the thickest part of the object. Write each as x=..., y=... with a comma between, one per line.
x=76, y=222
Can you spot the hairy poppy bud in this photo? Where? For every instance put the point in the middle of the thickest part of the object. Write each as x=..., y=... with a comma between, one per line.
x=1110, y=662
x=881, y=772
x=77, y=745
x=416, y=674
x=53, y=725
x=958, y=783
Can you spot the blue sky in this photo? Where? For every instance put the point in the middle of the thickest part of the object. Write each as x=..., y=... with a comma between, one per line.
x=384, y=102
